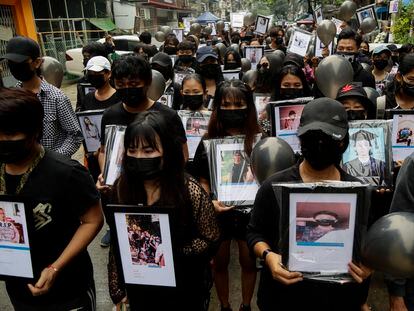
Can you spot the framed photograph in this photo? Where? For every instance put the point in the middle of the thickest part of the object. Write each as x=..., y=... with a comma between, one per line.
x=87, y=88
x=213, y=28
x=299, y=42
x=187, y=23
x=231, y=177
x=262, y=24
x=145, y=245
x=179, y=33
x=236, y=20
x=368, y=156
x=318, y=15
x=402, y=133
x=319, y=46
x=285, y=119
x=393, y=6
x=16, y=223
x=254, y=54
x=226, y=26
x=195, y=125
x=90, y=123
x=166, y=99
x=114, y=153
x=231, y=74
x=322, y=226
x=366, y=11
x=338, y=24
x=261, y=100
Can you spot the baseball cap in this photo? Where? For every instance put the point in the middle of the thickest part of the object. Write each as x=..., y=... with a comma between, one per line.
x=355, y=90
x=294, y=59
x=381, y=49
x=204, y=52
x=392, y=47
x=20, y=49
x=98, y=63
x=324, y=114
x=162, y=59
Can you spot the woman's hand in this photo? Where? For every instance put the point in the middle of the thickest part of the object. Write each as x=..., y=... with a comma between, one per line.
x=45, y=282
x=219, y=207
x=279, y=273
x=359, y=272
x=100, y=185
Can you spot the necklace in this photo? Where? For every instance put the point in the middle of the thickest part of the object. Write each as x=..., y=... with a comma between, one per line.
x=25, y=176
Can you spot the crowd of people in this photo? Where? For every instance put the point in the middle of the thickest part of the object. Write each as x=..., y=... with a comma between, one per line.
x=39, y=132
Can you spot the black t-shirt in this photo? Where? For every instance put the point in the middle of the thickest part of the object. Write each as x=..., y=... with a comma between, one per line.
x=91, y=103
x=263, y=227
x=117, y=115
x=58, y=191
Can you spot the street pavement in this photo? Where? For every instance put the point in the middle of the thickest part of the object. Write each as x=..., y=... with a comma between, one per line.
x=378, y=297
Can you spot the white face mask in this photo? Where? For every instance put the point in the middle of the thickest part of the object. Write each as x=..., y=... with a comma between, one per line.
x=348, y=55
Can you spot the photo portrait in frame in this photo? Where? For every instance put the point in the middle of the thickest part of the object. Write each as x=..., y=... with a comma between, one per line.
x=145, y=245
x=322, y=225
x=254, y=54
x=299, y=42
x=231, y=175
x=262, y=25
x=231, y=74
x=90, y=123
x=261, y=100
x=318, y=14
x=365, y=12
x=368, y=156
x=402, y=133
x=16, y=223
x=114, y=153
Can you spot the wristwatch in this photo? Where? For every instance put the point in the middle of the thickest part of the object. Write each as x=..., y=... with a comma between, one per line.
x=264, y=254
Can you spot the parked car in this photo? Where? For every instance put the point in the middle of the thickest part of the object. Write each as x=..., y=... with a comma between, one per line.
x=124, y=44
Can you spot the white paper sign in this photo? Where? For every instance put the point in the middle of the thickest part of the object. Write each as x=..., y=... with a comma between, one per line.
x=236, y=20
x=299, y=43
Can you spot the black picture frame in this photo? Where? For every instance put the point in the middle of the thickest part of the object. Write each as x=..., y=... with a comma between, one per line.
x=97, y=115
x=399, y=151
x=119, y=211
x=6, y=270
x=366, y=11
x=259, y=53
x=283, y=192
x=260, y=28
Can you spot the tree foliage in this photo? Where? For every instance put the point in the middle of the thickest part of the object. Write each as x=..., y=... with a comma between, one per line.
x=401, y=28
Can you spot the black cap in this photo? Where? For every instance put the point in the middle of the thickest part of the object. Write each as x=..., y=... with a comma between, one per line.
x=162, y=59
x=294, y=59
x=20, y=49
x=324, y=114
x=356, y=90
x=392, y=47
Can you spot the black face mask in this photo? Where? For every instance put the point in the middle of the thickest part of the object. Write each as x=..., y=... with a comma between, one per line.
x=233, y=119
x=85, y=61
x=321, y=151
x=133, y=96
x=279, y=40
x=231, y=66
x=193, y=102
x=21, y=71
x=210, y=71
x=170, y=50
x=408, y=89
x=381, y=64
x=186, y=59
x=364, y=52
x=143, y=168
x=290, y=93
x=97, y=81
x=356, y=115
x=12, y=151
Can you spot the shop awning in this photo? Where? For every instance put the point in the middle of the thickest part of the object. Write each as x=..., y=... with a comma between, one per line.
x=105, y=24
x=161, y=5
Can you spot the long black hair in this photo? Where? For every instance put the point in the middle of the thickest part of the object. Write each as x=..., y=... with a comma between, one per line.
x=151, y=129
x=295, y=71
x=238, y=91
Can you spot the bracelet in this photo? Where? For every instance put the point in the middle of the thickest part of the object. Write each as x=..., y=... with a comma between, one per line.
x=53, y=268
x=265, y=253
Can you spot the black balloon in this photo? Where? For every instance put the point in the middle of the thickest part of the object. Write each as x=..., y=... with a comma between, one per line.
x=372, y=94
x=389, y=245
x=269, y=156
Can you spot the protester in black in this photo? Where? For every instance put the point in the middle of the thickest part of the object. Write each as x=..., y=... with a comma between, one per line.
x=356, y=103
x=194, y=93
x=291, y=83
x=186, y=56
x=323, y=133
x=348, y=46
x=153, y=175
x=145, y=37
x=209, y=68
x=66, y=210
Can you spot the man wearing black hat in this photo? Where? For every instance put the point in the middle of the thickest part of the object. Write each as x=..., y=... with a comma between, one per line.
x=356, y=102
x=61, y=131
x=323, y=134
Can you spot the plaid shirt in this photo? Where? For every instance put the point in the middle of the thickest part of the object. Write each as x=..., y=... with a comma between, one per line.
x=61, y=130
